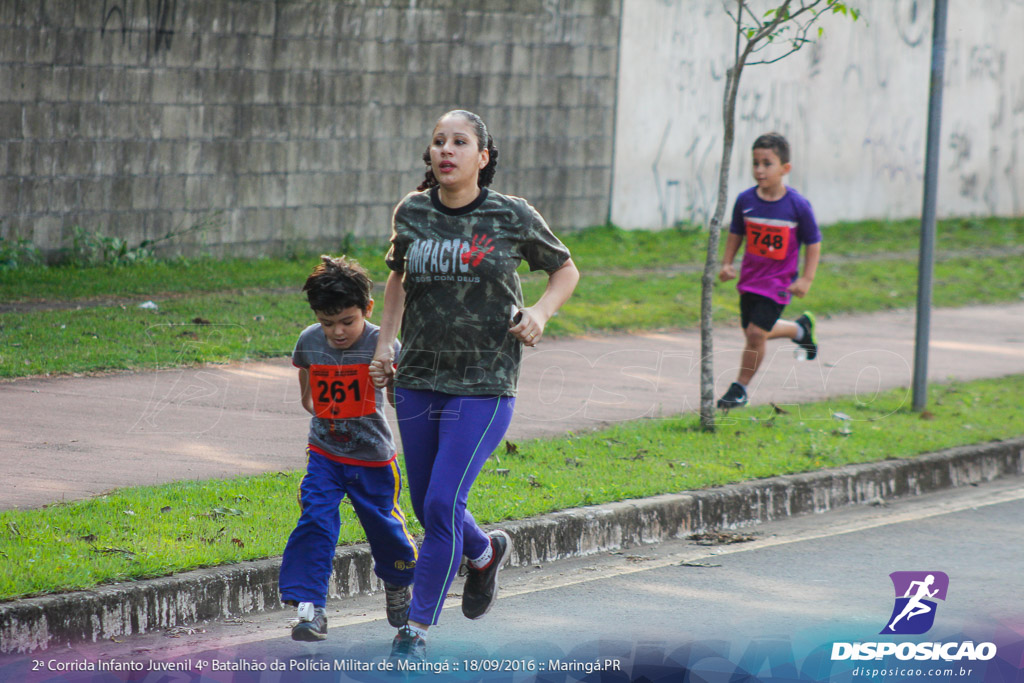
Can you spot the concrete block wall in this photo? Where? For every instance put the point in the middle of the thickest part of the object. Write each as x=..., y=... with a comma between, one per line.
x=854, y=106
x=291, y=121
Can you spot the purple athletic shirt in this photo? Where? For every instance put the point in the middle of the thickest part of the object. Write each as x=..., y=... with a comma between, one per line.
x=773, y=233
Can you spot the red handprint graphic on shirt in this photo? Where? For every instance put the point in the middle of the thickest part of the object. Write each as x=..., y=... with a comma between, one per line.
x=482, y=246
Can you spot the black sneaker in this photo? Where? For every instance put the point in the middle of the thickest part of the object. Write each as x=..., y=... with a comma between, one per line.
x=408, y=645
x=481, y=589
x=312, y=626
x=735, y=397
x=397, y=599
x=809, y=343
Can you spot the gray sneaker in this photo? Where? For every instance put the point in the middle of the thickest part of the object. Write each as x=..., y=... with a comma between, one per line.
x=312, y=626
x=397, y=599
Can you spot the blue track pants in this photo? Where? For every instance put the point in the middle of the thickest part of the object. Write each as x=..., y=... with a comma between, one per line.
x=309, y=556
x=446, y=440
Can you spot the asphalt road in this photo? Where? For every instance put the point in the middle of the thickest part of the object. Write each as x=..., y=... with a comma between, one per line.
x=69, y=438
x=772, y=606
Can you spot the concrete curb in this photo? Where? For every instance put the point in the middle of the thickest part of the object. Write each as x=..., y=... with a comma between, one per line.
x=221, y=592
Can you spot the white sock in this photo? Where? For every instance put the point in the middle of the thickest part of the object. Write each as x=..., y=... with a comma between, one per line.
x=799, y=332
x=483, y=560
x=306, y=611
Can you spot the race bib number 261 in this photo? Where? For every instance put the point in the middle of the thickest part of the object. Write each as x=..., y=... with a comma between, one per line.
x=342, y=391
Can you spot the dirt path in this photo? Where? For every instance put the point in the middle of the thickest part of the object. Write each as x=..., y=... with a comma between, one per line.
x=75, y=437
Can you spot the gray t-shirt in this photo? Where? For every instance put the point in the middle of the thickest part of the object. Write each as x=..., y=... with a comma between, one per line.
x=349, y=422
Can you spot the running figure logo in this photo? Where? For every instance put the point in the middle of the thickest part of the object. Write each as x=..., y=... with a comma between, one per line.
x=916, y=592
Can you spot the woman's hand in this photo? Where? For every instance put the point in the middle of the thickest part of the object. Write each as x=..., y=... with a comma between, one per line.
x=530, y=326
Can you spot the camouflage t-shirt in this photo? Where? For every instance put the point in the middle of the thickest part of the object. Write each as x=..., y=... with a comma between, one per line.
x=461, y=288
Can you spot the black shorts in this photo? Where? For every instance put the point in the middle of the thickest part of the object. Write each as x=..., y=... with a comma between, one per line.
x=760, y=310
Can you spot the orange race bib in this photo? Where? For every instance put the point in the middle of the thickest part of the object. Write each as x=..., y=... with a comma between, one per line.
x=342, y=391
x=768, y=240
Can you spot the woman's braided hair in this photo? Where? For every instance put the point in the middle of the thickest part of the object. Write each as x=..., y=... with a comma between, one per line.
x=483, y=140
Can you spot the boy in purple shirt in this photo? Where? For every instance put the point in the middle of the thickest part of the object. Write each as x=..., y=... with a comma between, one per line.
x=773, y=221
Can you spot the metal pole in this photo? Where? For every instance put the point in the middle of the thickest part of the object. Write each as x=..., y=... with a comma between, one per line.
x=926, y=261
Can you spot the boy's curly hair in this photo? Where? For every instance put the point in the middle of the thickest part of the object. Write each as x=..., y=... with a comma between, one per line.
x=336, y=284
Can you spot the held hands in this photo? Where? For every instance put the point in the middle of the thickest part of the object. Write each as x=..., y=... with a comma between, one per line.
x=728, y=272
x=382, y=371
x=528, y=326
x=800, y=287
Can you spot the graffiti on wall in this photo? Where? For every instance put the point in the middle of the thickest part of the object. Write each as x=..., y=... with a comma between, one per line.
x=854, y=106
x=154, y=30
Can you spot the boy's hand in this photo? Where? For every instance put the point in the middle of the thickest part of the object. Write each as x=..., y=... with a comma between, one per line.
x=728, y=272
x=800, y=287
x=382, y=372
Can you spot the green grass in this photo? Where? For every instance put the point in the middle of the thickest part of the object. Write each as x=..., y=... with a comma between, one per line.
x=631, y=281
x=595, y=249
x=157, y=279
x=257, y=324
x=144, y=532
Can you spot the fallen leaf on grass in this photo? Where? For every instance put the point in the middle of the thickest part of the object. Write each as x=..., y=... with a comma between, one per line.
x=215, y=538
x=777, y=410
x=166, y=508
x=511, y=448
x=238, y=542
x=201, y=321
x=88, y=538
x=223, y=512
x=108, y=550
x=501, y=472
x=927, y=415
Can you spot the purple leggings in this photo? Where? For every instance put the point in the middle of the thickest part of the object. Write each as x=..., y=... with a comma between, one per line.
x=446, y=440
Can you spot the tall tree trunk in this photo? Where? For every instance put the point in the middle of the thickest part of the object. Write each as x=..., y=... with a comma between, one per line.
x=707, y=365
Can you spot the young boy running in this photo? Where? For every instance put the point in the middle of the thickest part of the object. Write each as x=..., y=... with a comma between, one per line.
x=351, y=452
x=773, y=220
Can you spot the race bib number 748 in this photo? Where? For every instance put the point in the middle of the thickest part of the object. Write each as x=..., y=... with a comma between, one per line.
x=342, y=391
x=770, y=240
